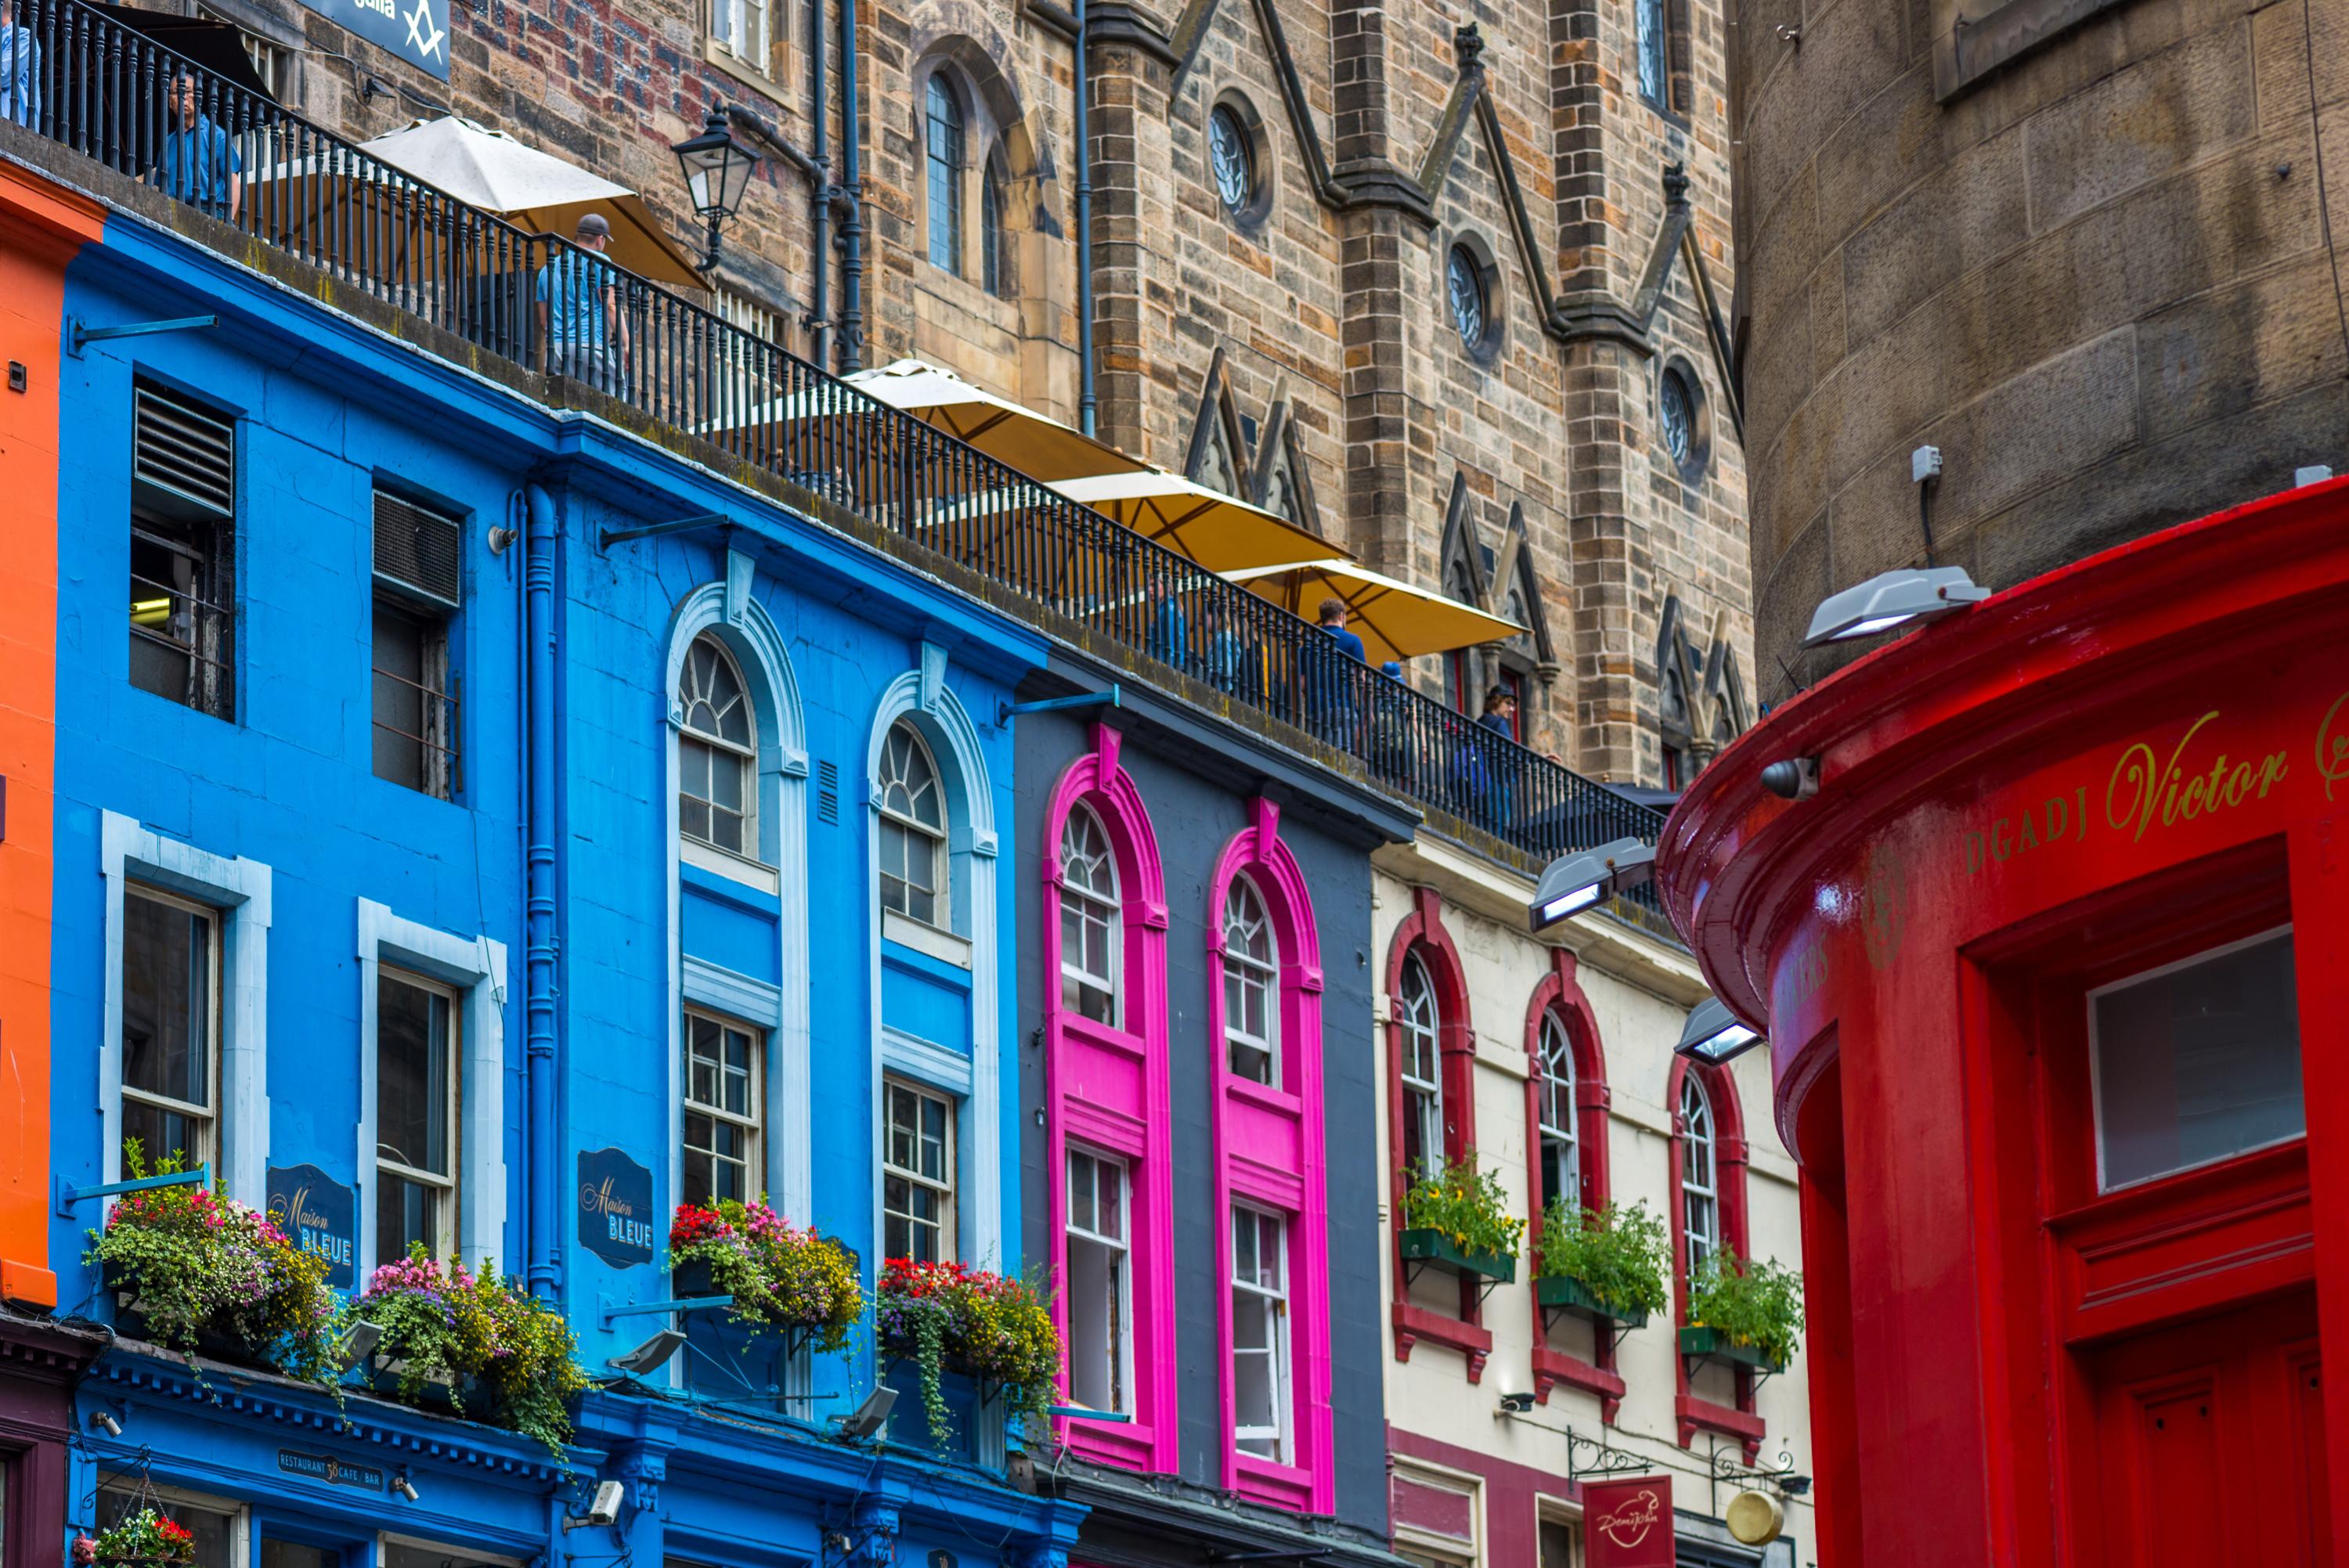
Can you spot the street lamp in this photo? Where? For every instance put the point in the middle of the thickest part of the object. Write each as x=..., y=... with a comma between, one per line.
x=1572, y=884
x=716, y=170
x=1894, y=599
x=1715, y=1036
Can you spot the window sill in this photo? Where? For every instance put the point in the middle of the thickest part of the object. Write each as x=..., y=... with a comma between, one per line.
x=1702, y=1415
x=1553, y=1369
x=1413, y=1323
x=733, y=867
x=1264, y=1095
x=925, y=939
x=1124, y=1445
x=1264, y=1481
x=1107, y=1035
x=716, y=53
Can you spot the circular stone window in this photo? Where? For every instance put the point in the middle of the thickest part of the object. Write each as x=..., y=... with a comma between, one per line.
x=1232, y=160
x=1463, y=284
x=1680, y=419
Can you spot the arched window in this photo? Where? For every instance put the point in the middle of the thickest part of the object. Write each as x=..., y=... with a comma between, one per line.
x=995, y=277
x=945, y=135
x=716, y=789
x=1699, y=1183
x=1423, y=1074
x=1251, y=986
x=1092, y=923
x=1561, y=1160
x=913, y=828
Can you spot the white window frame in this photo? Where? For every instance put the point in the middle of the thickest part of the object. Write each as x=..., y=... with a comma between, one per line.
x=949, y=1189
x=208, y=1115
x=239, y=891
x=727, y=22
x=1700, y=1195
x=1426, y=1092
x=1250, y=972
x=754, y=1125
x=704, y=852
x=469, y=1556
x=1121, y=1248
x=474, y=968
x=1282, y=1351
x=449, y=1187
x=938, y=836
x=1417, y=1546
x=1088, y=905
x=1556, y=1128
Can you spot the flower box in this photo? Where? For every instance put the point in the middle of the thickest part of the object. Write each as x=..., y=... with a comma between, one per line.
x=1569, y=1294
x=1711, y=1342
x=1435, y=1247
x=692, y=1279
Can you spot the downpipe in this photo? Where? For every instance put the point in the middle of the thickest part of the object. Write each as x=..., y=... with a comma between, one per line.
x=540, y=1157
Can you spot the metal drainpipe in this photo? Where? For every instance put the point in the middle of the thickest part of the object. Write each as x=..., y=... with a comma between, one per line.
x=1085, y=401
x=819, y=208
x=539, y=1153
x=851, y=190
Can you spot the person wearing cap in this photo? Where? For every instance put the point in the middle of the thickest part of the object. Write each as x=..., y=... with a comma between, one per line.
x=579, y=317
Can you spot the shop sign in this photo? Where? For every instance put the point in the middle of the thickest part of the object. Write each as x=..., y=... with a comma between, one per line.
x=1628, y=1523
x=417, y=31
x=615, y=1208
x=318, y=1215
x=332, y=1470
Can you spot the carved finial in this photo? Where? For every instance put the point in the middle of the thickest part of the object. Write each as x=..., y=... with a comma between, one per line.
x=1468, y=45
x=1676, y=183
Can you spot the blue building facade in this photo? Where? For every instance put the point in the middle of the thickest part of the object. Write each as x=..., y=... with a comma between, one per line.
x=466, y=777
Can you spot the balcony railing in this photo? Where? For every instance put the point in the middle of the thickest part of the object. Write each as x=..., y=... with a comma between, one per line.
x=537, y=300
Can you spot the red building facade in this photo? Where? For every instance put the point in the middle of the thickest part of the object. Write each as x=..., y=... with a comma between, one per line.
x=2054, y=969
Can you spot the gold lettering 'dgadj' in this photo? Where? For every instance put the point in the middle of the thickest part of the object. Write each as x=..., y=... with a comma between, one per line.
x=2150, y=788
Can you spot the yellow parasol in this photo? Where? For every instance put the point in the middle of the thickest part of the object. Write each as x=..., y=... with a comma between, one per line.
x=1394, y=620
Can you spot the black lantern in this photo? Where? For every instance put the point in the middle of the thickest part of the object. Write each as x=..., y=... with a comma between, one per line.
x=716, y=170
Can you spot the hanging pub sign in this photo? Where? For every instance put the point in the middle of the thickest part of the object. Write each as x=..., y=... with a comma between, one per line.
x=318, y=1215
x=1628, y=1523
x=615, y=1208
x=415, y=30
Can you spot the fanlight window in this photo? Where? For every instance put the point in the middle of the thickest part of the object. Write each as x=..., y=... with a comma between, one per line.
x=1700, y=1187
x=1560, y=1158
x=1422, y=1075
x=716, y=751
x=913, y=828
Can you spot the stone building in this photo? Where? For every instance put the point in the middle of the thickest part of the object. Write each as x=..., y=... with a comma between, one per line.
x=1449, y=285
x=2081, y=248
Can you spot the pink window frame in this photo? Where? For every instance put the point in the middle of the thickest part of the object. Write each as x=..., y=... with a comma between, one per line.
x=1740, y=1420
x=1106, y=1088
x=1560, y=995
x=1270, y=1153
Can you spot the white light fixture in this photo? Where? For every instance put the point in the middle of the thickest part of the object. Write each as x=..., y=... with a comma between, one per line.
x=869, y=1417
x=1894, y=599
x=106, y=1423
x=406, y=1488
x=1715, y=1035
x=1572, y=884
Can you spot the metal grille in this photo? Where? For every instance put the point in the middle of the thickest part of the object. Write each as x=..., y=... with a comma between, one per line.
x=827, y=792
x=187, y=450
x=419, y=549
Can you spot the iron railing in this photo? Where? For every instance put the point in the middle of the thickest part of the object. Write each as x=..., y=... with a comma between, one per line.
x=545, y=303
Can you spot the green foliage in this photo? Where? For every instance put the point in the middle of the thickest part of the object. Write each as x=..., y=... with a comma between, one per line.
x=996, y=1326
x=200, y=1264
x=444, y=1324
x=145, y=1536
x=1752, y=1302
x=1622, y=1256
x=779, y=1276
x=1466, y=1206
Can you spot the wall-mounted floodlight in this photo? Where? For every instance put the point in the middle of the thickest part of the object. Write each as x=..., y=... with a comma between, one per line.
x=869, y=1417
x=653, y=1354
x=359, y=1343
x=1572, y=884
x=406, y=1488
x=1715, y=1035
x=1516, y=1403
x=105, y=1422
x=1894, y=599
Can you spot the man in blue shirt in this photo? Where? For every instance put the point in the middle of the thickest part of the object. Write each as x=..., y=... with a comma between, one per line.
x=579, y=317
x=1334, y=707
x=201, y=165
x=20, y=69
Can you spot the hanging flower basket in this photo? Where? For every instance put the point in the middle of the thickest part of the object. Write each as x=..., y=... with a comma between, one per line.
x=1430, y=1246
x=142, y=1538
x=996, y=1328
x=779, y=1276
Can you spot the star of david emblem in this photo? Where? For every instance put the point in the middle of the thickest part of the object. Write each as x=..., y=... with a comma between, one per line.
x=421, y=33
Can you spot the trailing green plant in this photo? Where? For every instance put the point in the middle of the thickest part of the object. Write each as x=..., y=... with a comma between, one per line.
x=998, y=1326
x=145, y=1536
x=1748, y=1302
x=200, y=1264
x=1622, y=1256
x=779, y=1276
x=1465, y=1205
x=445, y=1323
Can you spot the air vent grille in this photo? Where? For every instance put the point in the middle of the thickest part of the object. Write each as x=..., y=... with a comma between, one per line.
x=186, y=450
x=827, y=792
x=419, y=549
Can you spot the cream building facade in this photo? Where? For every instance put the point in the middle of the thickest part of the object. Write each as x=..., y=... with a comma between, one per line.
x=1476, y=1483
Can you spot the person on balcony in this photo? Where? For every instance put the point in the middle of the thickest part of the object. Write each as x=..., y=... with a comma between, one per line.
x=20, y=69
x=579, y=317
x=1332, y=678
x=201, y=165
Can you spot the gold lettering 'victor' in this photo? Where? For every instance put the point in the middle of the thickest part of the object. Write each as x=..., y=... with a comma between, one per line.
x=2144, y=787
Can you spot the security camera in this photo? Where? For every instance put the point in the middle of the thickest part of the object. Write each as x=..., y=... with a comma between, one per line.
x=1516, y=1403
x=605, y=1509
x=100, y=1418
x=1795, y=777
x=406, y=1488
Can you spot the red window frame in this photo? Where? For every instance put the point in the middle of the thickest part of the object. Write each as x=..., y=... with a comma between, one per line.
x=1560, y=995
x=1738, y=1419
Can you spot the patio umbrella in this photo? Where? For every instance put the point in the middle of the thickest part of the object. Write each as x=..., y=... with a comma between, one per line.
x=1040, y=447
x=1394, y=620
x=1220, y=532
